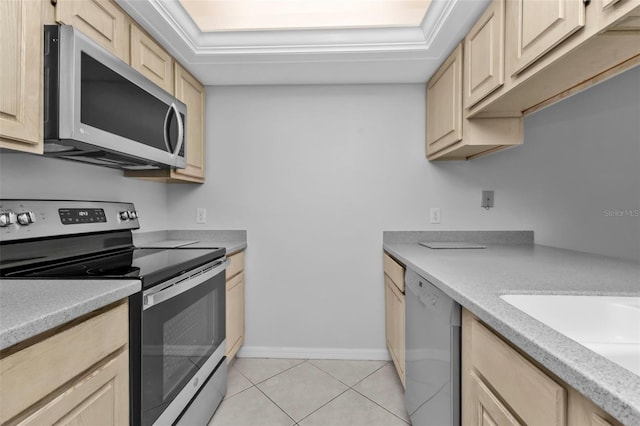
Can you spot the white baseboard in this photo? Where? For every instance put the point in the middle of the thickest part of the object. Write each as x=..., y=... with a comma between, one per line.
x=313, y=353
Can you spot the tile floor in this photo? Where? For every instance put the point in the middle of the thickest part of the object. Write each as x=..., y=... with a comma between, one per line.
x=287, y=392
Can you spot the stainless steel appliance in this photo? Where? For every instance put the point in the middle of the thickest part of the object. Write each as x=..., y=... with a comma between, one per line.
x=432, y=354
x=177, y=322
x=101, y=111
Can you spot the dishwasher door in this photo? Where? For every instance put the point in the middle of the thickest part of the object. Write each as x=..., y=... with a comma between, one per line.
x=432, y=354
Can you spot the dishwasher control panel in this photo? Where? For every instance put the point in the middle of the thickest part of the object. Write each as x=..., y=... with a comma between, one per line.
x=432, y=297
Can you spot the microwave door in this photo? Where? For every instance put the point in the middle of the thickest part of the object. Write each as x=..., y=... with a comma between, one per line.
x=105, y=103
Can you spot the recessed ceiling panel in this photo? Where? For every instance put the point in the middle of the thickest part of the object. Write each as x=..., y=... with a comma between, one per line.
x=248, y=15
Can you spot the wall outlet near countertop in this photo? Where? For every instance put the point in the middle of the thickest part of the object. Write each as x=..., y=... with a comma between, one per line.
x=201, y=215
x=434, y=215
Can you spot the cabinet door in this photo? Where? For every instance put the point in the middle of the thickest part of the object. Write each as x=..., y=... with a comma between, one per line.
x=99, y=398
x=488, y=410
x=235, y=315
x=537, y=26
x=101, y=20
x=484, y=54
x=21, y=75
x=394, y=325
x=191, y=92
x=151, y=60
x=444, y=104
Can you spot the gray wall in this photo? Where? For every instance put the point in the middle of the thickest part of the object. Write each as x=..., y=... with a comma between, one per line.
x=316, y=173
x=32, y=176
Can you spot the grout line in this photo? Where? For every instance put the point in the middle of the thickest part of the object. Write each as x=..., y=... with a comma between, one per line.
x=370, y=374
x=326, y=403
x=381, y=406
x=276, y=404
x=271, y=377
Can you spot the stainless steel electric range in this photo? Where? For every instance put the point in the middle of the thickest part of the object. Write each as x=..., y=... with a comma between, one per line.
x=177, y=322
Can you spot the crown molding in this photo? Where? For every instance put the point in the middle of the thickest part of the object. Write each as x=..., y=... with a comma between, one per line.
x=351, y=50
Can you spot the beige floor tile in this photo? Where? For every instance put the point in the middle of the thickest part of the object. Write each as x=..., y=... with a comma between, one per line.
x=352, y=409
x=348, y=372
x=249, y=408
x=384, y=388
x=236, y=382
x=260, y=369
x=302, y=389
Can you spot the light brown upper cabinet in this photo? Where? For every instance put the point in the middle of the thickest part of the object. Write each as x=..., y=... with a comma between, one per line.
x=151, y=60
x=21, y=85
x=191, y=92
x=444, y=104
x=539, y=26
x=451, y=136
x=484, y=54
x=102, y=20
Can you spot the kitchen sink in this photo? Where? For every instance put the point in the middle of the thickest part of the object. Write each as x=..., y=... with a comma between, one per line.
x=609, y=326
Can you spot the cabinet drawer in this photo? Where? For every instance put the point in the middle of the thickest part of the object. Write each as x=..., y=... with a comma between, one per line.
x=236, y=264
x=34, y=372
x=394, y=271
x=99, y=398
x=491, y=358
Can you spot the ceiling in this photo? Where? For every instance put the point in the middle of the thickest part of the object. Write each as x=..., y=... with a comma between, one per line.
x=356, y=41
x=247, y=15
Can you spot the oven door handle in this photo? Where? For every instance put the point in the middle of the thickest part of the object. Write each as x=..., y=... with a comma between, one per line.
x=180, y=287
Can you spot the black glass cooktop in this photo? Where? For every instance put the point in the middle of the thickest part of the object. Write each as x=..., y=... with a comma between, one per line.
x=60, y=261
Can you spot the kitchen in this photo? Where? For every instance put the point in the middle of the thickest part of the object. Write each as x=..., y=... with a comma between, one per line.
x=316, y=173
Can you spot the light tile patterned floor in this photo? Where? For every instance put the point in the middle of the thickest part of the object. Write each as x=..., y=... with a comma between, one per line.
x=287, y=392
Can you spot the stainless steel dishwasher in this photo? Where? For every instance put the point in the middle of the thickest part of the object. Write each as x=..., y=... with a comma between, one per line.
x=432, y=363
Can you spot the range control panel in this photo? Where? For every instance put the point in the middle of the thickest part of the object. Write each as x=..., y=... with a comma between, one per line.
x=22, y=219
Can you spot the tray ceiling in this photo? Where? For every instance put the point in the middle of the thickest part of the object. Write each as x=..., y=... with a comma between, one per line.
x=292, y=46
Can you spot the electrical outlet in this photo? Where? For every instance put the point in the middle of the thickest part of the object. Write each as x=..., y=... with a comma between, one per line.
x=487, y=199
x=201, y=215
x=435, y=215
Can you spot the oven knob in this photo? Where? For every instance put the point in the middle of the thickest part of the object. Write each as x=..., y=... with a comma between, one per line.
x=26, y=218
x=133, y=214
x=124, y=215
x=5, y=219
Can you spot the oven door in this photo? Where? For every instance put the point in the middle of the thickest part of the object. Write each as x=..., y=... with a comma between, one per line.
x=183, y=340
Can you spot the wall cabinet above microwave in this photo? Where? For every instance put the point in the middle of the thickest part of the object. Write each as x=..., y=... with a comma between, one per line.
x=22, y=88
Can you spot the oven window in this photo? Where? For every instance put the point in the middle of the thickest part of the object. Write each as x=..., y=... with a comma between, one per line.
x=178, y=336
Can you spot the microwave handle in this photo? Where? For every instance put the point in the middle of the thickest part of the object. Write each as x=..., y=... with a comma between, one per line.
x=180, y=287
x=173, y=108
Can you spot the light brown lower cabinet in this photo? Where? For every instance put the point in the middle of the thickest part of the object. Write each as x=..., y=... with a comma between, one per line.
x=394, y=313
x=235, y=305
x=79, y=375
x=501, y=386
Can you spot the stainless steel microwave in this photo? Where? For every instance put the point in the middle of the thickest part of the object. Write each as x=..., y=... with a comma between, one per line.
x=99, y=110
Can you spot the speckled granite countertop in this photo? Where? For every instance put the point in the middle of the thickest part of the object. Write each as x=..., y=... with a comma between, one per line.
x=30, y=307
x=234, y=240
x=476, y=278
